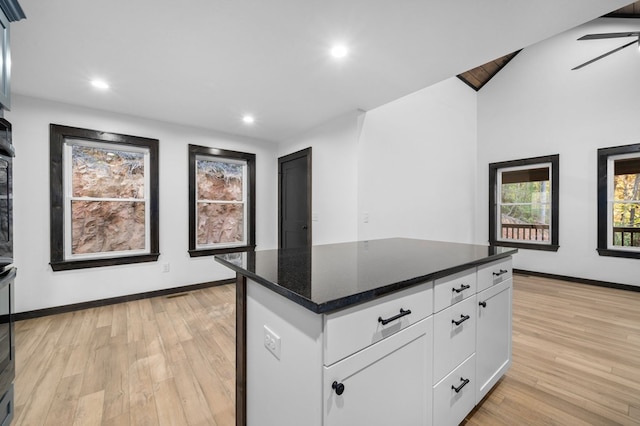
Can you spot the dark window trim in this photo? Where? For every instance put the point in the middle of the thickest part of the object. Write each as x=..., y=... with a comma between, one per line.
x=58, y=134
x=555, y=197
x=603, y=157
x=195, y=150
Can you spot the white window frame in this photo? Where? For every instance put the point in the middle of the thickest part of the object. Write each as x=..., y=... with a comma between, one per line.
x=244, y=202
x=498, y=217
x=69, y=198
x=610, y=201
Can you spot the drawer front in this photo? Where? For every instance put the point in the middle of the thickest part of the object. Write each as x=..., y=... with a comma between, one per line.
x=494, y=273
x=453, y=289
x=454, y=396
x=350, y=330
x=6, y=407
x=454, y=337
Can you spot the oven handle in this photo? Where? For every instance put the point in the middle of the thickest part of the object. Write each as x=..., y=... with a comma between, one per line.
x=7, y=276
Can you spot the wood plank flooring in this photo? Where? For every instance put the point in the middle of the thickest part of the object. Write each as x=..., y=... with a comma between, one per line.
x=170, y=361
x=163, y=361
x=576, y=358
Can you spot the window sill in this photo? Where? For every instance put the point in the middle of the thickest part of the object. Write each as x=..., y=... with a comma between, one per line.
x=526, y=246
x=211, y=252
x=67, y=265
x=619, y=253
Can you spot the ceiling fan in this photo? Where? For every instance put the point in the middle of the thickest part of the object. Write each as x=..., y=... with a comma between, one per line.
x=609, y=35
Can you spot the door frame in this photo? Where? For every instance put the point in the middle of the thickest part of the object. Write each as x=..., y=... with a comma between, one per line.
x=305, y=153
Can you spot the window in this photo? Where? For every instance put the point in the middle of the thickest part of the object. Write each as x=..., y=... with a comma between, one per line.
x=104, y=198
x=221, y=201
x=619, y=201
x=523, y=203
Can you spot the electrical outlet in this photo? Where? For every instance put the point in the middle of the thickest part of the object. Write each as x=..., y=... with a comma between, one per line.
x=166, y=267
x=272, y=342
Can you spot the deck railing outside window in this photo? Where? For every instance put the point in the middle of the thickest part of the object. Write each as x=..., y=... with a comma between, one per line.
x=525, y=232
x=626, y=236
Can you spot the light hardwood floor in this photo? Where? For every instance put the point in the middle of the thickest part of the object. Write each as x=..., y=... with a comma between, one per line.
x=170, y=360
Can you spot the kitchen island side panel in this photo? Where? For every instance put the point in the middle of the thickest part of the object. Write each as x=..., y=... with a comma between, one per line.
x=296, y=377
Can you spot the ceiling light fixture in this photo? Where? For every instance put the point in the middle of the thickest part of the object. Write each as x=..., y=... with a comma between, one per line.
x=248, y=119
x=339, y=51
x=99, y=84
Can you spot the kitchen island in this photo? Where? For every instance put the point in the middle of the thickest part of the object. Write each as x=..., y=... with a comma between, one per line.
x=393, y=331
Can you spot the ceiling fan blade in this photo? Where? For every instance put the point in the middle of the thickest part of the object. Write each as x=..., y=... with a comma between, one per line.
x=609, y=35
x=604, y=55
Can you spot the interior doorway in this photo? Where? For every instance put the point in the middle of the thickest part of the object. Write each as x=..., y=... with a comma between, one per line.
x=294, y=199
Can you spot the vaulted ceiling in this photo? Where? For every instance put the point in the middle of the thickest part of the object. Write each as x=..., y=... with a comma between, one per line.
x=205, y=63
x=477, y=77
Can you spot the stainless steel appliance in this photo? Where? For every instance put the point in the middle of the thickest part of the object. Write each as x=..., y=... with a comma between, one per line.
x=7, y=275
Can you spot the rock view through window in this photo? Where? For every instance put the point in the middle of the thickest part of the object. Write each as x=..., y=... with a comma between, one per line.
x=221, y=202
x=107, y=200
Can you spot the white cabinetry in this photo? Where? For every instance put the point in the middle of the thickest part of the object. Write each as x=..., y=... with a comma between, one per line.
x=379, y=353
x=454, y=343
x=420, y=356
x=471, y=338
x=454, y=396
x=493, y=346
x=388, y=383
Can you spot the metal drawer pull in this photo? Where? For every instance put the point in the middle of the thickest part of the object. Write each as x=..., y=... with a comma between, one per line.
x=400, y=315
x=462, y=319
x=338, y=387
x=502, y=271
x=463, y=384
x=463, y=287
x=483, y=304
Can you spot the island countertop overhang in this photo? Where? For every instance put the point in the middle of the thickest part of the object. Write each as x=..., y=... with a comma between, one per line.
x=328, y=277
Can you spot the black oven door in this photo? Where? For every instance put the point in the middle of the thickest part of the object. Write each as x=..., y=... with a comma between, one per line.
x=7, y=348
x=6, y=212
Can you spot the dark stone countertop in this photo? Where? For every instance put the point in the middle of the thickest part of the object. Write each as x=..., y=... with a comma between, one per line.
x=324, y=278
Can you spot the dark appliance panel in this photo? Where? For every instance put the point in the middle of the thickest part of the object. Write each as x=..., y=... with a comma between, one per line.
x=7, y=344
x=6, y=195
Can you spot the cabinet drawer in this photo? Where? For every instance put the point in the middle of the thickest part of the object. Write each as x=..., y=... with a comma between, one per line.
x=494, y=273
x=451, y=407
x=454, y=337
x=388, y=383
x=452, y=289
x=349, y=330
x=6, y=408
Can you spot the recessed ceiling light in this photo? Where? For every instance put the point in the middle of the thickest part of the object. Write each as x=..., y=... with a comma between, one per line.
x=99, y=84
x=248, y=119
x=339, y=51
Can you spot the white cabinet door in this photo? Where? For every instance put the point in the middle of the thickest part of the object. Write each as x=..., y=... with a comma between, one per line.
x=388, y=383
x=493, y=342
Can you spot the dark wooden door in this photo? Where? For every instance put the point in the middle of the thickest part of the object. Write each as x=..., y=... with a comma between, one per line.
x=294, y=199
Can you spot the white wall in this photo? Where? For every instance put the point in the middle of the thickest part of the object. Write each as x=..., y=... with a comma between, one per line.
x=38, y=287
x=537, y=106
x=334, y=176
x=417, y=166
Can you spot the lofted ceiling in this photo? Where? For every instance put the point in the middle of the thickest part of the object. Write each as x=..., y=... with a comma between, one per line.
x=480, y=75
x=206, y=63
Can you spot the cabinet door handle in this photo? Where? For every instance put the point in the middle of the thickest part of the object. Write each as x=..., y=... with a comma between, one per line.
x=400, y=315
x=462, y=319
x=463, y=287
x=483, y=304
x=463, y=384
x=338, y=387
x=502, y=271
